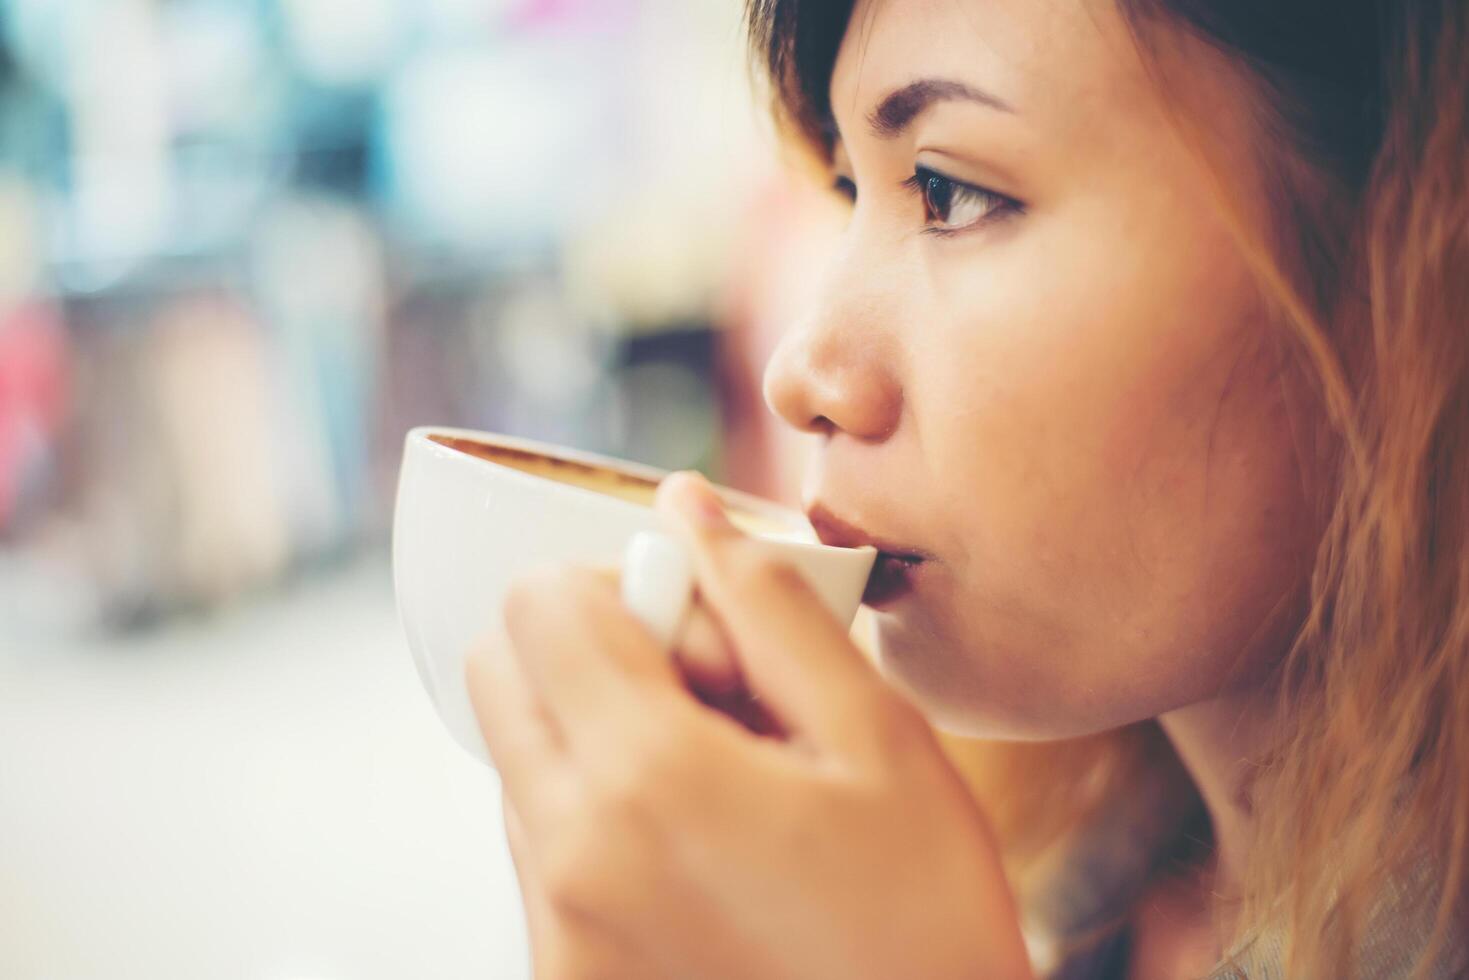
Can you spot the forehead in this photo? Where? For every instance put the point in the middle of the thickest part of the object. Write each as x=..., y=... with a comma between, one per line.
x=1053, y=60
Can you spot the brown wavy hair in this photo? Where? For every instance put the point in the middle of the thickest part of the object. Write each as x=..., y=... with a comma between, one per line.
x=1363, y=110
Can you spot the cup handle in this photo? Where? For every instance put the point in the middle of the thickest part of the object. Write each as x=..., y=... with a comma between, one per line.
x=658, y=584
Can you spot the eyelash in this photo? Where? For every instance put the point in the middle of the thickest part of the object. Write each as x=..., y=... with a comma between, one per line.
x=923, y=183
x=926, y=182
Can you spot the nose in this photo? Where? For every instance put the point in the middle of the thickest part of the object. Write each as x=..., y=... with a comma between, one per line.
x=834, y=373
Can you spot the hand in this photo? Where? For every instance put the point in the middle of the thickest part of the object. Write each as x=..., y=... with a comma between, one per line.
x=657, y=836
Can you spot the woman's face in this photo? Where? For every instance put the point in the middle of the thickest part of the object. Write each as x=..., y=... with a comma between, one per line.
x=1043, y=364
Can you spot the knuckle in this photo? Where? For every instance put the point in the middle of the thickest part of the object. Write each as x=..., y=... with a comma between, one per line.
x=624, y=790
x=582, y=581
x=522, y=602
x=614, y=832
x=645, y=782
x=568, y=873
x=617, y=796
x=528, y=598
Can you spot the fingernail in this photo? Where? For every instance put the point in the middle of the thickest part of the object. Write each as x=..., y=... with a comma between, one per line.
x=698, y=501
x=711, y=512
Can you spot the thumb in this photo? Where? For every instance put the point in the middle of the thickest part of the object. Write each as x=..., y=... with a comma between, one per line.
x=792, y=651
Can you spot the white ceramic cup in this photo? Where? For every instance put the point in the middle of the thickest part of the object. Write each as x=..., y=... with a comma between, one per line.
x=475, y=511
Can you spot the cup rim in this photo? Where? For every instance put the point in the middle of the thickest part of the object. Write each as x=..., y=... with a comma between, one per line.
x=423, y=434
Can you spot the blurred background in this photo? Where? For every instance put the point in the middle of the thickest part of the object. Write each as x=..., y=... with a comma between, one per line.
x=244, y=246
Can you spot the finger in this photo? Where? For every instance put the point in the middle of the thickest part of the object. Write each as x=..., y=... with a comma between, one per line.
x=558, y=949
x=537, y=910
x=706, y=658
x=703, y=655
x=706, y=661
x=523, y=741
x=592, y=664
x=793, y=653
x=521, y=854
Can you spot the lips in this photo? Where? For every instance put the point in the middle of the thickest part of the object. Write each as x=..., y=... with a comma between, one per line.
x=897, y=569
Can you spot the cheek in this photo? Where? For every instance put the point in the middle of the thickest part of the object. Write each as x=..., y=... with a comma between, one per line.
x=1132, y=515
x=1218, y=514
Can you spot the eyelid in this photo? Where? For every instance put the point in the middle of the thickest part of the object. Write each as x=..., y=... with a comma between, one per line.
x=1004, y=205
x=915, y=181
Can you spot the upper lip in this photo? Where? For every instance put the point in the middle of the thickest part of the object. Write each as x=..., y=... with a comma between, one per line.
x=832, y=530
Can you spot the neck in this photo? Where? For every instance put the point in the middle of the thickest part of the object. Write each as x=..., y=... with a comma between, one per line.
x=1219, y=741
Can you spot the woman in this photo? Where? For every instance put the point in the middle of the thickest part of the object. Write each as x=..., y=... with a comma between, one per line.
x=1144, y=360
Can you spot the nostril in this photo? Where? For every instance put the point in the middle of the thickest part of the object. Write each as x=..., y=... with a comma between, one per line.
x=819, y=387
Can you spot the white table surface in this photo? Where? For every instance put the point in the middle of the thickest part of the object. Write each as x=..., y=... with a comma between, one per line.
x=264, y=793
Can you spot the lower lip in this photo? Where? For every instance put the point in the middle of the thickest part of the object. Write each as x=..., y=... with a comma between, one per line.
x=892, y=578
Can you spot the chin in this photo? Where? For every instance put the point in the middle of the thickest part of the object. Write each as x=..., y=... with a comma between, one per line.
x=922, y=668
x=966, y=704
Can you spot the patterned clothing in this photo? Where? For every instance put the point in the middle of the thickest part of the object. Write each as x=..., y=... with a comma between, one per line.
x=1075, y=921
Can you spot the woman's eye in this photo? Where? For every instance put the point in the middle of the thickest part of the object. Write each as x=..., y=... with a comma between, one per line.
x=950, y=206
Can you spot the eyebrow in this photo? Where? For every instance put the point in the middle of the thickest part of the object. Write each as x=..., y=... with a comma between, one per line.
x=901, y=106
